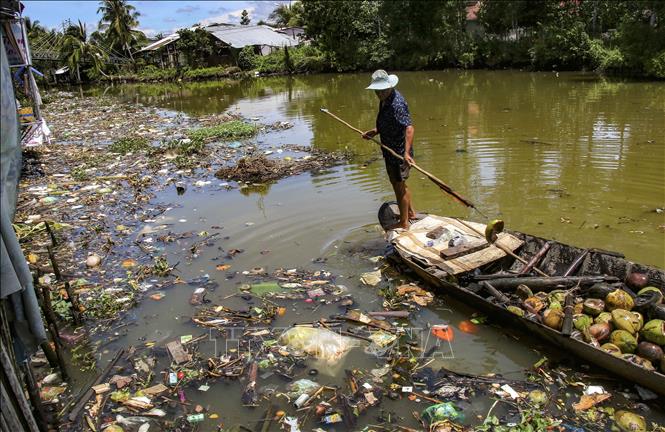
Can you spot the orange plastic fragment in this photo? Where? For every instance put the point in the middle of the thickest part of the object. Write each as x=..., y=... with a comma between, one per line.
x=468, y=327
x=444, y=332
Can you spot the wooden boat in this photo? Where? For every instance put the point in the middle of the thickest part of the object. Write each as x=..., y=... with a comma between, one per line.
x=484, y=276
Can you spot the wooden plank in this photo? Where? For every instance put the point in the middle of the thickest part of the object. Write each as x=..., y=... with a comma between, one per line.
x=101, y=388
x=464, y=249
x=155, y=390
x=408, y=243
x=177, y=352
x=359, y=317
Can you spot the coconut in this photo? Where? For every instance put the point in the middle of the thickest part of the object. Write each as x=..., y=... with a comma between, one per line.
x=627, y=421
x=650, y=351
x=648, y=300
x=581, y=321
x=654, y=331
x=612, y=349
x=555, y=305
x=541, y=295
x=553, y=318
x=517, y=311
x=651, y=289
x=578, y=308
x=93, y=260
x=657, y=311
x=637, y=280
x=640, y=361
x=558, y=296
x=600, y=332
x=599, y=290
x=638, y=320
x=535, y=304
x=523, y=291
x=624, y=340
x=618, y=299
x=603, y=317
x=629, y=321
x=593, y=306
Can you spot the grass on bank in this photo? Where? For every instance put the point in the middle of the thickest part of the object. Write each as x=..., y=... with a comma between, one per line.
x=151, y=73
x=234, y=129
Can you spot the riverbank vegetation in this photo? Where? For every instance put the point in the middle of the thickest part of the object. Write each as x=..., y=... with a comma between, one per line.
x=623, y=37
x=618, y=37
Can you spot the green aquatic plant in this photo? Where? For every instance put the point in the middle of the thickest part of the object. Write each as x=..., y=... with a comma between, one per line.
x=161, y=266
x=185, y=147
x=129, y=144
x=106, y=305
x=532, y=420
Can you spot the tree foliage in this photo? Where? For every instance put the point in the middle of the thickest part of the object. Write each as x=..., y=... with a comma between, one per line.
x=620, y=36
x=244, y=17
x=287, y=15
x=119, y=21
x=197, y=46
x=349, y=32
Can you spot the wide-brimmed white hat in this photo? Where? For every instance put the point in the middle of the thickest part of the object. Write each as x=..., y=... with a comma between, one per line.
x=381, y=80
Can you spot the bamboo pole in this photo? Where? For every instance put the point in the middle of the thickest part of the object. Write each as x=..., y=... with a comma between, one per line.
x=443, y=186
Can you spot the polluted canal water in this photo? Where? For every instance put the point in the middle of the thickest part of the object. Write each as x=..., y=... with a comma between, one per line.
x=569, y=157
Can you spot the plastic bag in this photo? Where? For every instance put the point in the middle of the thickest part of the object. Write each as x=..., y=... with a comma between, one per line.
x=442, y=411
x=302, y=386
x=318, y=342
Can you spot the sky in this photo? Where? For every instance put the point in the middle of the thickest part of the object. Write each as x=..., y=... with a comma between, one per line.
x=156, y=16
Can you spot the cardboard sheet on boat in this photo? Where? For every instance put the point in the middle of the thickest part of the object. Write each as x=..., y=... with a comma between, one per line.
x=415, y=243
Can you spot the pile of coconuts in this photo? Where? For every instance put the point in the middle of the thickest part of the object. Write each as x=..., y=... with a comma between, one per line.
x=609, y=317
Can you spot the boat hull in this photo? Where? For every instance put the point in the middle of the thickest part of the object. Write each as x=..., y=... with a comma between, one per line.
x=631, y=372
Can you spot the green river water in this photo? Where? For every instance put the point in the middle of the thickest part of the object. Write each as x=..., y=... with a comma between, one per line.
x=570, y=157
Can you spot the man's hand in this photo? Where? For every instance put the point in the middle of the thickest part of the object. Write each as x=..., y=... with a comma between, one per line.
x=409, y=159
x=370, y=134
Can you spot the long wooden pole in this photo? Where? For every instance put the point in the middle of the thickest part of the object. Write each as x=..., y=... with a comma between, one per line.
x=443, y=186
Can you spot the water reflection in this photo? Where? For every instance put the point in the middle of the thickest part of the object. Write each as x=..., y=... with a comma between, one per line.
x=504, y=139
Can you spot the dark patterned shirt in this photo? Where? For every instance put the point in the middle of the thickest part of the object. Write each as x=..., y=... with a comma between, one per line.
x=391, y=122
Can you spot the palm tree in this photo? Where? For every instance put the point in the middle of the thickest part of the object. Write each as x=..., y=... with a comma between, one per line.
x=36, y=32
x=78, y=50
x=119, y=20
x=34, y=28
x=286, y=15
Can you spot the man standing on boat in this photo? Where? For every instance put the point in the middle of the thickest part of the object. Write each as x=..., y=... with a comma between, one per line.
x=393, y=123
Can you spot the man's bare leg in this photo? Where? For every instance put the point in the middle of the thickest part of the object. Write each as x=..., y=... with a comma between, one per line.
x=403, y=196
x=412, y=212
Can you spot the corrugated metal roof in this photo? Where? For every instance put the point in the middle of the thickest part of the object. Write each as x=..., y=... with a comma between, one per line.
x=160, y=43
x=242, y=36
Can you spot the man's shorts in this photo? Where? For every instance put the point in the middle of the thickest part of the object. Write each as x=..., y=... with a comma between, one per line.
x=397, y=171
